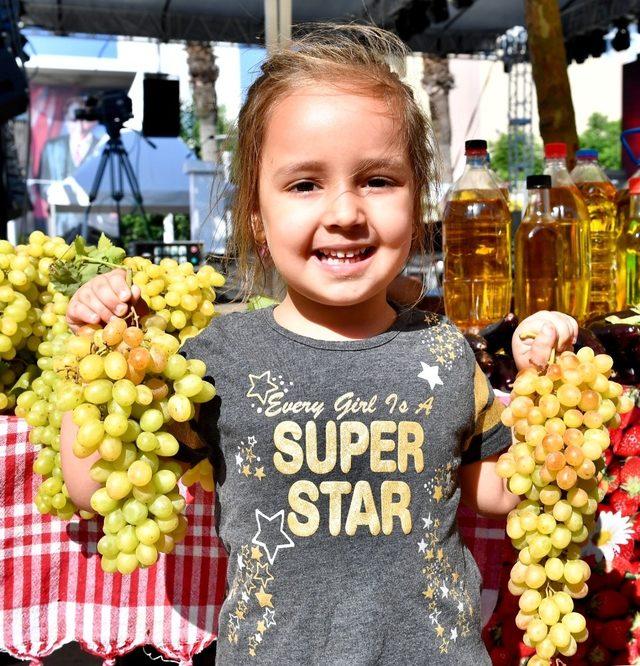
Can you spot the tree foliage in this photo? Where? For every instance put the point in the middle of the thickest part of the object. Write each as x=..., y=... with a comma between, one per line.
x=132, y=227
x=190, y=128
x=499, y=151
x=603, y=135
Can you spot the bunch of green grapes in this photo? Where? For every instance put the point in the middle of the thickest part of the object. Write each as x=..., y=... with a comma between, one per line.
x=560, y=420
x=132, y=385
x=42, y=406
x=29, y=307
x=177, y=293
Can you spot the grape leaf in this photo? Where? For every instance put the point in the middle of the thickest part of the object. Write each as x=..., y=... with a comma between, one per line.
x=24, y=381
x=80, y=247
x=68, y=276
x=65, y=277
x=259, y=302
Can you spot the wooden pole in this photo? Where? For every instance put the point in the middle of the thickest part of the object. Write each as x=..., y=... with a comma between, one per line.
x=549, y=67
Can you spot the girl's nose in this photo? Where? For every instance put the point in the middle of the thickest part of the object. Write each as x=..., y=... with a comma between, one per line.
x=345, y=210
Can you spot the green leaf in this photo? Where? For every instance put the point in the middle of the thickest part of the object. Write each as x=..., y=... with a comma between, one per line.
x=25, y=379
x=259, y=302
x=66, y=277
x=81, y=248
x=104, y=243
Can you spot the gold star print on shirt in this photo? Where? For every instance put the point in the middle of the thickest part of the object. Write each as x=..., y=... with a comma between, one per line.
x=248, y=463
x=442, y=581
x=444, y=344
x=252, y=587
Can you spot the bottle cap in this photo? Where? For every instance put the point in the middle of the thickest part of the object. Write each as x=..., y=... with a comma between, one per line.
x=587, y=154
x=540, y=182
x=552, y=150
x=475, y=146
x=634, y=185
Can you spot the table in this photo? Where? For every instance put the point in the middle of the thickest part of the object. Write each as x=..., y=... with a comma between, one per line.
x=53, y=590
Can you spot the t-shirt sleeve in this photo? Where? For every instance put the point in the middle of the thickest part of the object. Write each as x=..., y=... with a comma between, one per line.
x=489, y=436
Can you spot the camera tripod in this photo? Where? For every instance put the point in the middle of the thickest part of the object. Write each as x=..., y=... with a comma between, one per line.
x=114, y=155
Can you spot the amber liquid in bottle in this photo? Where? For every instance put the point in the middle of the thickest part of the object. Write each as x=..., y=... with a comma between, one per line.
x=477, y=267
x=631, y=247
x=600, y=198
x=622, y=207
x=571, y=217
x=539, y=258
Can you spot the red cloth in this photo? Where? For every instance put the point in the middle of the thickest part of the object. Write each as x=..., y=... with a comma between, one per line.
x=53, y=590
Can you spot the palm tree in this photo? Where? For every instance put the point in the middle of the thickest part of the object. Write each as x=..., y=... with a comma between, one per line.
x=438, y=81
x=203, y=73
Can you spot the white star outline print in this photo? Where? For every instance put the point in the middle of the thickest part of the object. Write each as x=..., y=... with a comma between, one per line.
x=287, y=543
x=253, y=393
x=431, y=374
x=268, y=617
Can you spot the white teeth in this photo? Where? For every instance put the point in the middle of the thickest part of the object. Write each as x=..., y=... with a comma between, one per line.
x=334, y=257
x=341, y=254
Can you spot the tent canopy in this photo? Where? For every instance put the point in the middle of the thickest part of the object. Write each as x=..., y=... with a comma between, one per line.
x=160, y=173
x=467, y=30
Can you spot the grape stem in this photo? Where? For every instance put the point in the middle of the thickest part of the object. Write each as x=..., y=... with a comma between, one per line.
x=530, y=335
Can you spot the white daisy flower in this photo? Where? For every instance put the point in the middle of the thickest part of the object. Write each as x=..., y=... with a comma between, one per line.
x=612, y=531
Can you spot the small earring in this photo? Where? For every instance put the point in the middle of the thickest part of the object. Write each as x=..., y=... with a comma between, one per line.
x=263, y=250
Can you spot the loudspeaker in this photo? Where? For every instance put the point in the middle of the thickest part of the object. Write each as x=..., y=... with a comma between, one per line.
x=161, y=106
x=14, y=95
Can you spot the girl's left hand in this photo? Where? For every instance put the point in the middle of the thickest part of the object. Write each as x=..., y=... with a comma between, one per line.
x=552, y=330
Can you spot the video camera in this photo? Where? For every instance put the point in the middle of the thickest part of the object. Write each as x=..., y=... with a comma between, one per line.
x=111, y=108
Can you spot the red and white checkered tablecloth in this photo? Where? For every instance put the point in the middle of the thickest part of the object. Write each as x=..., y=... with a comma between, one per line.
x=53, y=590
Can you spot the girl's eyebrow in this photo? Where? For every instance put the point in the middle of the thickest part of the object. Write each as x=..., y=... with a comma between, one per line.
x=383, y=163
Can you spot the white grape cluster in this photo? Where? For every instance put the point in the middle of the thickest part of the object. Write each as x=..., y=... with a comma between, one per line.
x=560, y=420
x=177, y=293
x=134, y=383
x=29, y=306
x=42, y=405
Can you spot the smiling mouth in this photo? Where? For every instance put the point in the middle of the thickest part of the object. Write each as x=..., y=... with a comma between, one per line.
x=338, y=257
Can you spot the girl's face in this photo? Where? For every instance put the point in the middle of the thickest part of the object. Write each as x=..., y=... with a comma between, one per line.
x=336, y=195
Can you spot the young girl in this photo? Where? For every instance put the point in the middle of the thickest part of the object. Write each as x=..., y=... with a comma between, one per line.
x=346, y=430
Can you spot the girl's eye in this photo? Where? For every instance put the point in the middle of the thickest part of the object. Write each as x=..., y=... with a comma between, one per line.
x=378, y=182
x=303, y=186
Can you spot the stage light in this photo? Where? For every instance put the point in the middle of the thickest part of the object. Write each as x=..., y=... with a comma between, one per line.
x=595, y=43
x=412, y=19
x=622, y=39
x=439, y=11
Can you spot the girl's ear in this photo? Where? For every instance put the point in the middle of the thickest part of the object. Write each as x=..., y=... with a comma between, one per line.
x=258, y=229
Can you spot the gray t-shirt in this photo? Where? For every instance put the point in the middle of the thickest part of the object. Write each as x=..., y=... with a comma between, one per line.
x=336, y=467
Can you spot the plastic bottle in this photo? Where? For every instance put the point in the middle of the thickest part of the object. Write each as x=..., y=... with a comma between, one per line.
x=477, y=246
x=537, y=283
x=622, y=204
x=599, y=195
x=572, y=217
x=503, y=186
x=630, y=243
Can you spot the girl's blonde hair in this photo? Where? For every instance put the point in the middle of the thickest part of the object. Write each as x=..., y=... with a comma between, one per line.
x=356, y=57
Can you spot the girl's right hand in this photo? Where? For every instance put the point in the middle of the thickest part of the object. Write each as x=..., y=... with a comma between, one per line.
x=100, y=299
